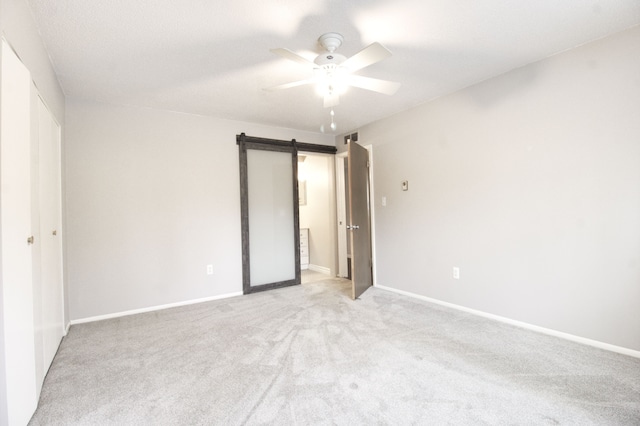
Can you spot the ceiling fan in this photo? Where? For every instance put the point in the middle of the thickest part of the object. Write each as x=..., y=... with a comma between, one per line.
x=333, y=72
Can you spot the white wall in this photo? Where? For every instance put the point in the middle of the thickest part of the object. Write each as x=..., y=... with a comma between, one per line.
x=530, y=183
x=153, y=197
x=320, y=212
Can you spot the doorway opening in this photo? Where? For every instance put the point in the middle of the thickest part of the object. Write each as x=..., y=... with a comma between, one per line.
x=276, y=244
x=355, y=217
x=317, y=207
x=324, y=196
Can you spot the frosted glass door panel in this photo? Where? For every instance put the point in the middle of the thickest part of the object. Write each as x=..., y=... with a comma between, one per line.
x=271, y=217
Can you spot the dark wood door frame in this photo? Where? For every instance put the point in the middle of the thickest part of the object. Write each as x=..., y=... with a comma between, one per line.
x=249, y=142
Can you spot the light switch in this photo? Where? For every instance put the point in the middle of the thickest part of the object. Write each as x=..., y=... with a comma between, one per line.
x=405, y=185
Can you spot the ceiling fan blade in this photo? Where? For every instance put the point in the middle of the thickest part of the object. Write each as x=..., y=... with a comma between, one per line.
x=290, y=85
x=381, y=86
x=292, y=56
x=371, y=54
x=331, y=100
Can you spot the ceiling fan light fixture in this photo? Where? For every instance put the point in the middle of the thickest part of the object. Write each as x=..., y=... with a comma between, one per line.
x=333, y=73
x=330, y=88
x=332, y=80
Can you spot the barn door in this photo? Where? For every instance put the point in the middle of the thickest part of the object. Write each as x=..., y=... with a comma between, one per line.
x=270, y=223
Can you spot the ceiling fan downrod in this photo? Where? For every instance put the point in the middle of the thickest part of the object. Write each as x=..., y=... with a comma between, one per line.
x=331, y=41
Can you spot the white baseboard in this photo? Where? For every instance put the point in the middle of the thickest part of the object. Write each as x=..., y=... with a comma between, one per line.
x=321, y=269
x=153, y=308
x=548, y=331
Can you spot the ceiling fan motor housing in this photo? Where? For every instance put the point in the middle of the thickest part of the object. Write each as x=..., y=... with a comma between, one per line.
x=329, y=59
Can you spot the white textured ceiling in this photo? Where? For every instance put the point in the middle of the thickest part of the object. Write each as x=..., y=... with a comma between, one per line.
x=212, y=57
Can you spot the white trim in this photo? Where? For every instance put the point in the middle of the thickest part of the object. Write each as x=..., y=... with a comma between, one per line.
x=66, y=328
x=372, y=217
x=321, y=269
x=543, y=330
x=341, y=215
x=153, y=308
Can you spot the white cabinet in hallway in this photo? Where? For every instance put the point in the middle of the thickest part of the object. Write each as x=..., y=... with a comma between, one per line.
x=304, y=248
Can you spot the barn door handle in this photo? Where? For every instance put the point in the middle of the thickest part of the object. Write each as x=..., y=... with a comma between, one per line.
x=353, y=227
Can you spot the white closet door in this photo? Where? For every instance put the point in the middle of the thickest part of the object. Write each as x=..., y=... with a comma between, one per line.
x=49, y=189
x=15, y=212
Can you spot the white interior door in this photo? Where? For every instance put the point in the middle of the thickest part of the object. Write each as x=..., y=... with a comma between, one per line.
x=50, y=234
x=15, y=211
x=359, y=219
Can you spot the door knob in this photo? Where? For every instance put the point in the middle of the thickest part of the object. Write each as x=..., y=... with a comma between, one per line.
x=54, y=233
x=30, y=240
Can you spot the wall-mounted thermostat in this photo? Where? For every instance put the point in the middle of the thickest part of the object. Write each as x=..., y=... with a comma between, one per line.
x=405, y=185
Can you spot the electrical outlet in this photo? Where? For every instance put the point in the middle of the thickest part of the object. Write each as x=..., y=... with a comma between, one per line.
x=209, y=269
x=456, y=273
